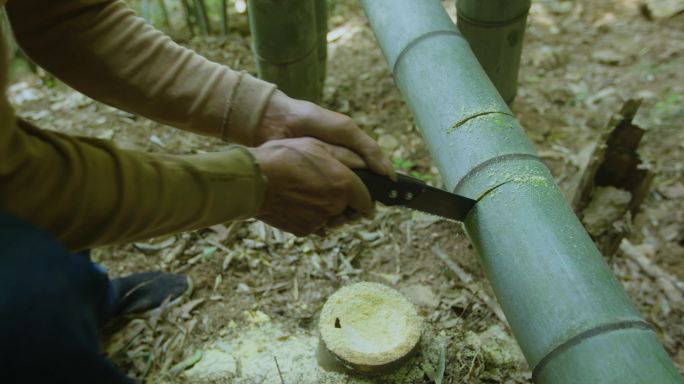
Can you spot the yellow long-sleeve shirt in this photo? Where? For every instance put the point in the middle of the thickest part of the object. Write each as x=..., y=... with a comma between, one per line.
x=85, y=191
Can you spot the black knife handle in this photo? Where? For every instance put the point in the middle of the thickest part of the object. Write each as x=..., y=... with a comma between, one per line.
x=388, y=191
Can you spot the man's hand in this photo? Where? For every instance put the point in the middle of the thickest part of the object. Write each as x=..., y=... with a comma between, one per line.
x=310, y=185
x=286, y=117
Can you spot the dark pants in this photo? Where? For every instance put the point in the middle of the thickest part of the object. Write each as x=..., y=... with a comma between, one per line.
x=52, y=307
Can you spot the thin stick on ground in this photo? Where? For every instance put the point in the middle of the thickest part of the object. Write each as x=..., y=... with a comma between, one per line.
x=470, y=283
x=282, y=381
x=666, y=282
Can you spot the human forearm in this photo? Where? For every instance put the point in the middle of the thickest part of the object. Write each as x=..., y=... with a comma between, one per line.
x=88, y=193
x=102, y=49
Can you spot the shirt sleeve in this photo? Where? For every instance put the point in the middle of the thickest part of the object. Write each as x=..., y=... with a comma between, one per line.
x=102, y=49
x=88, y=193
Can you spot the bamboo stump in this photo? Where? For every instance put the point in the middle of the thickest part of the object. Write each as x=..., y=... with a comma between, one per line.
x=367, y=328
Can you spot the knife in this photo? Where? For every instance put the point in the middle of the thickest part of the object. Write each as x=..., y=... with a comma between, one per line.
x=415, y=194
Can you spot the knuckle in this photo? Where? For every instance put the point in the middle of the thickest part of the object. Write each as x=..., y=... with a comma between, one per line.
x=346, y=122
x=340, y=181
x=309, y=141
x=336, y=206
x=306, y=110
x=375, y=149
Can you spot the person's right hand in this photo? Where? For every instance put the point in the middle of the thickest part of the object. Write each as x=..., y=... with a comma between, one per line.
x=310, y=185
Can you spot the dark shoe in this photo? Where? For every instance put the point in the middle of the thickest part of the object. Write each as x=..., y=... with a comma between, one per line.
x=140, y=292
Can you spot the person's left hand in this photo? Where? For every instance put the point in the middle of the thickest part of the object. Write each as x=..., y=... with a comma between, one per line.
x=286, y=117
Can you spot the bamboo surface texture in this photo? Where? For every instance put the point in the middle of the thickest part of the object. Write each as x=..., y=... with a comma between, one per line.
x=285, y=43
x=570, y=315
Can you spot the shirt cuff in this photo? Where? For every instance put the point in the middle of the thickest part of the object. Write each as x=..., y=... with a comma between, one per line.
x=245, y=109
x=237, y=186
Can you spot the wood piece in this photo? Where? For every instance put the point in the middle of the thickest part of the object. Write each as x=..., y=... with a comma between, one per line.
x=616, y=163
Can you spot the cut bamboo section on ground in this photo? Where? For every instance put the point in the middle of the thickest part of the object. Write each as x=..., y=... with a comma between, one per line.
x=285, y=42
x=571, y=317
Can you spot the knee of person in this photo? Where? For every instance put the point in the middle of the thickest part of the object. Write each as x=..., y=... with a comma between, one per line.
x=29, y=295
x=43, y=289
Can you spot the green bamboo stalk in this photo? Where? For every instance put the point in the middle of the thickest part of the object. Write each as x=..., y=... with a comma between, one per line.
x=202, y=18
x=495, y=30
x=187, y=12
x=571, y=317
x=145, y=10
x=322, y=31
x=224, y=17
x=165, y=14
x=285, y=43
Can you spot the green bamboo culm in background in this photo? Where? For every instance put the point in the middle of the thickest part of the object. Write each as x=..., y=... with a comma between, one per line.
x=322, y=31
x=202, y=18
x=224, y=17
x=569, y=314
x=285, y=44
x=495, y=30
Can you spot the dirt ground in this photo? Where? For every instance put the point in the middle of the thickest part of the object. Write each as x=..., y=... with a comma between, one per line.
x=255, y=287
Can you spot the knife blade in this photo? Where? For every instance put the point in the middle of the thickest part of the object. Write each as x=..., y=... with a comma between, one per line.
x=415, y=194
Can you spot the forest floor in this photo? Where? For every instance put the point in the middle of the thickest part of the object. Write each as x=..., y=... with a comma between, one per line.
x=257, y=292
